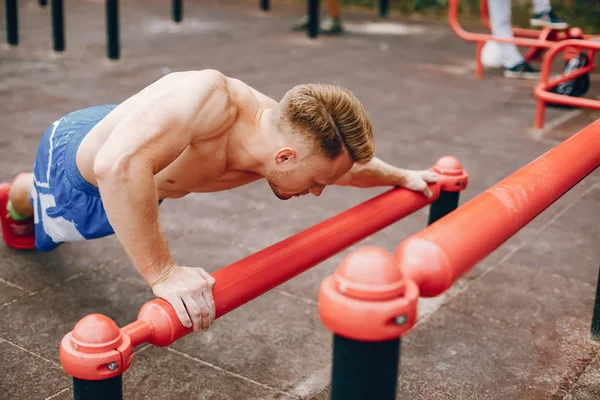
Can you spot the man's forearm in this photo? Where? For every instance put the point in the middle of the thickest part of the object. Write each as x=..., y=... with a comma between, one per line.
x=375, y=173
x=131, y=205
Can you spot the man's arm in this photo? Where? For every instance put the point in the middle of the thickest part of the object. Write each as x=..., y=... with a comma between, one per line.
x=145, y=142
x=379, y=173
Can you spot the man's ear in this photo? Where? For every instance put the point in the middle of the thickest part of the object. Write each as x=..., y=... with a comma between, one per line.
x=284, y=155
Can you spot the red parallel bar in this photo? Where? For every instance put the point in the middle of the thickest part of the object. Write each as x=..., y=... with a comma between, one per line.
x=255, y=275
x=541, y=90
x=437, y=256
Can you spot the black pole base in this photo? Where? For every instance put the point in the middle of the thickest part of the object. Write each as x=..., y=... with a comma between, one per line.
x=112, y=29
x=364, y=370
x=58, y=25
x=384, y=8
x=596, y=315
x=108, y=389
x=446, y=203
x=12, y=22
x=313, y=18
x=177, y=10
x=265, y=5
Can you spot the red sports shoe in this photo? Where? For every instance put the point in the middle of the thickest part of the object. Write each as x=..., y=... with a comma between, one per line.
x=17, y=234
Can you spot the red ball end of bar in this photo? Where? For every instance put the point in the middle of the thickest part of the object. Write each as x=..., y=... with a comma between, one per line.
x=96, y=349
x=96, y=331
x=367, y=298
x=453, y=177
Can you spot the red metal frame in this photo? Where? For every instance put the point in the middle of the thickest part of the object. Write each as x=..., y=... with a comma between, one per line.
x=542, y=89
x=95, y=342
x=538, y=41
x=481, y=38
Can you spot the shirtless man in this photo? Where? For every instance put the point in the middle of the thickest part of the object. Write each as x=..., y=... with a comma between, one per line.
x=105, y=169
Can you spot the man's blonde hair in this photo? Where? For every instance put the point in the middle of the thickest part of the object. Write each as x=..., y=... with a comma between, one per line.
x=333, y=117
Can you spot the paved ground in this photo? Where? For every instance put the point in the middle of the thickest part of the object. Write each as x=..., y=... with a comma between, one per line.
x=515, y=328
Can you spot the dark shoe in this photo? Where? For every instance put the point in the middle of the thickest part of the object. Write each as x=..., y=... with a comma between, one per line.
x=548, y=19
x=575, y=87
x=522, y=71
x=332, y=26
x=302, y=25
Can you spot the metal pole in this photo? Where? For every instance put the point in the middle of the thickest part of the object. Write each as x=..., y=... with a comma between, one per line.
x=12, y=22
x=596, y=315
x=313, y=18
x=177, y=10
x=58, y=26
x=112, y=29
x=446, y=203
x=265, y=5
x=111, y=388
x=384, y=7
x=43, y=3
x=364, y=370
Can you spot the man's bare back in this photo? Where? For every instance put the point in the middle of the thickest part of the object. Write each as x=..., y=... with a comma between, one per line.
x=202, y=166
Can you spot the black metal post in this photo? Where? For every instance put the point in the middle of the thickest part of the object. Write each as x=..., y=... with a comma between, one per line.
x=446, y=203
x=596, y=315
x=177, y=10
x=112, y=29
x=43, y=3
x=58, y=25
x=313, y=18
x=384, y=8
x=111, y=388
x=12, y=22
x=364, y=370
x=265, y=5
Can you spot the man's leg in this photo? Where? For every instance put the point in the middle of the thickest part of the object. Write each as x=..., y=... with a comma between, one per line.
x=19, y=205
x=16, y=213
x=333, y=25
x=543, y=16
x=501, y=24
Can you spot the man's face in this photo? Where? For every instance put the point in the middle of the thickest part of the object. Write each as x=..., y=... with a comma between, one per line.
x=302, y=173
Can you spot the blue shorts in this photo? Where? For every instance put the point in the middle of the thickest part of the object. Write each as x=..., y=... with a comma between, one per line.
x=66, y=207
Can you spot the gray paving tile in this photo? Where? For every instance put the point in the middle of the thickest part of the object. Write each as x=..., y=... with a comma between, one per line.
x=8, y=293
x=35, y=270
x=528, y=297
x=461, y=356
x=162, y=374
x=569, y=246
x=587, y=386
x=38, y=323
x=274, y=340
x=26, y=377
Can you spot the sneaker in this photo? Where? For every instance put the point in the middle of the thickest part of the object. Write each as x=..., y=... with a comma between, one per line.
x=302, y=25
x=580, y=85
x=548, y=19
x=17, y=234
x=332, y=26
x=522, y=71
x=575, y=87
